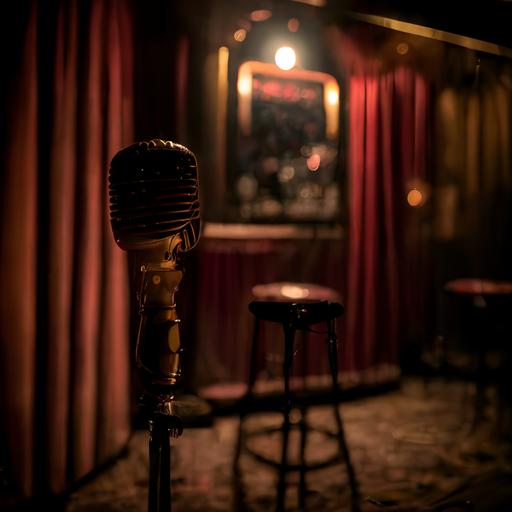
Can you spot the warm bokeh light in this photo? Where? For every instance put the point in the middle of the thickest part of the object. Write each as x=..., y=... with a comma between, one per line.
x=294, y=292
x=286, y=173
x=332, y=97
x=285, y=58
x=414, y=197
x=240, y=35
x=313, y=162
x=331, y=102
x=260, y=15
x=244, y=85
x=219, y=138
x=293, y=24
x=402, y=48
x=314, y=3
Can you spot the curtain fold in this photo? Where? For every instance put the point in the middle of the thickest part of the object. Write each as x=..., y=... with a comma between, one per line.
x=64, y=329
x=18, y=271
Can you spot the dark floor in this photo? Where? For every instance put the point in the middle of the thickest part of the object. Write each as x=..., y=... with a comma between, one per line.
x=412, y=449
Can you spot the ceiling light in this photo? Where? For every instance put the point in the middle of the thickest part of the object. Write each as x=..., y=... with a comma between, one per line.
x=285, y=58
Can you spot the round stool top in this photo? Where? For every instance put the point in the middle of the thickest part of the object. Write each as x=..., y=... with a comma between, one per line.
x=286, y=291
x=479, y=287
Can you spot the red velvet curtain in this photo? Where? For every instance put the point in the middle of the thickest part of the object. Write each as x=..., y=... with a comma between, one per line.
x=388, y=144
x=64, y=375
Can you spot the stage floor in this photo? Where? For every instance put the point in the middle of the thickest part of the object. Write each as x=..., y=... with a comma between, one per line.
x=412, y=448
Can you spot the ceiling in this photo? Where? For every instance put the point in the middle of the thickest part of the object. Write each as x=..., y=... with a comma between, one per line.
x=487, y=20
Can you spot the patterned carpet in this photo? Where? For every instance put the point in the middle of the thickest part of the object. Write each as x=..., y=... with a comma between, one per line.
x=412, y=449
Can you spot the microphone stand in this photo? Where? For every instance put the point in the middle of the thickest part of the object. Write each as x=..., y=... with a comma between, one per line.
x=154, y=210
x=158, y=357
x=163, y=424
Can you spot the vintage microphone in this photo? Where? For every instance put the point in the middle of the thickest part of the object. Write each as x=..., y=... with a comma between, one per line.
x=154, y=212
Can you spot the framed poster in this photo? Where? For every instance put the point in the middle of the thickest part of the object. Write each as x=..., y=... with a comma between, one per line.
x=287, y=147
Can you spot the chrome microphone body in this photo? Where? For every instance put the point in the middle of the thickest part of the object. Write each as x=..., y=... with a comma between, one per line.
x=154, y=212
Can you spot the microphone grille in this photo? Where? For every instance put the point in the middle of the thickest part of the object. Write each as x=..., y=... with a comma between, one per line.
x=154, y=194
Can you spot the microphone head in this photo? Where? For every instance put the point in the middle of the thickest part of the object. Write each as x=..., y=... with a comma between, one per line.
x=154, y=195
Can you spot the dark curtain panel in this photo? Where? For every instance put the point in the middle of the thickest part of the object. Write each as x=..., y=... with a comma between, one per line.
x=473, y=215
x=388, y=145
x=473, y=218
x=64, y=375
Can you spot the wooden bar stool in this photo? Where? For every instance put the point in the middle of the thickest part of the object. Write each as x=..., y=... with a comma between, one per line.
x=297, y=307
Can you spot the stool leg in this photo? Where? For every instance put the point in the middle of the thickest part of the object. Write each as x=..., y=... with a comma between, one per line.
x=333, y=363
x=303, y=440
x=479, y=336
x=244, y=404
x=289, y=335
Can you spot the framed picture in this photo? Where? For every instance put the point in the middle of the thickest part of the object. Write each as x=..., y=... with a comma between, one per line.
x=287, y=144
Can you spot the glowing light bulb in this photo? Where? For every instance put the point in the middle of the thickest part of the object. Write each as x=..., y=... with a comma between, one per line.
x=285, y=58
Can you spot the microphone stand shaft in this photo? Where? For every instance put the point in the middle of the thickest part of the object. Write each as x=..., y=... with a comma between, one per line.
x=159, y=498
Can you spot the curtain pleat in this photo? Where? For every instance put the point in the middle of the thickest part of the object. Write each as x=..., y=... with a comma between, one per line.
x=18, y=270
x=88, y=287
x=60, y=248
x=113, y=356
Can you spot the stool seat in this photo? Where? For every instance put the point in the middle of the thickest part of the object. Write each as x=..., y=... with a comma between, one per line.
x=292, y=290
x=471, y=286
x=298, y=315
